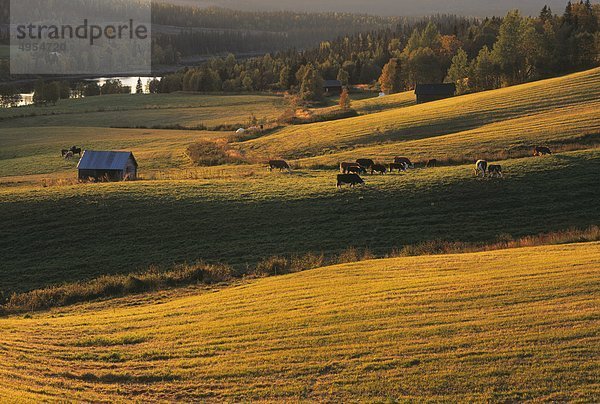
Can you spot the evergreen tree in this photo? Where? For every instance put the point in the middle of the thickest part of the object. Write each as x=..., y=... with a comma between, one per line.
x=39, y=92
x=52, y=92
x=139, y=88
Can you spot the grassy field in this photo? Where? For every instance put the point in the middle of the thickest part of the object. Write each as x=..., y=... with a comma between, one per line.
x=446, y=117
x=83, y=231
x=28, y=151
x=505, y=326
x=372, y=104
x=572, y=126
x=149, y=110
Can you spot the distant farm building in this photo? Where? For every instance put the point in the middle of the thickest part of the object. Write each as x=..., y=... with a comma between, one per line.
x=332, y=87
x=434, y=92
x=107, y=166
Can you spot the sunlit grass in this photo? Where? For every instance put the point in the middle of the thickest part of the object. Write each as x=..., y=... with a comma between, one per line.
x=446, y=117
x=507, y=325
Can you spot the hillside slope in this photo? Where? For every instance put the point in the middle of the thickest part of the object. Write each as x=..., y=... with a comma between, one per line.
x=511, y=325
x=439, y=118
x=241, y=220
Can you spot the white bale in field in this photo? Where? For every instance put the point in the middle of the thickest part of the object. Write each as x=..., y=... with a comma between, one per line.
x=240, y=130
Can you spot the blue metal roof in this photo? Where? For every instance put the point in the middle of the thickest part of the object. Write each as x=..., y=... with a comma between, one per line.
x=104, y=160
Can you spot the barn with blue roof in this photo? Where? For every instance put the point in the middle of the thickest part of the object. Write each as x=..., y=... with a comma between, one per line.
x=107, y=166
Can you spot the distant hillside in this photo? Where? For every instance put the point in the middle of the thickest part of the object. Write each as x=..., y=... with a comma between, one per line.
x=526, y=106
x=390, y=7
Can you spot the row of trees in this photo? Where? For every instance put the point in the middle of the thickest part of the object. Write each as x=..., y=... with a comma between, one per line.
x=50, y=92
x=476, y=55
x=529, y=48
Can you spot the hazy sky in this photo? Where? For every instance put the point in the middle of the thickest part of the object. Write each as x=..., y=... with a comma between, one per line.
x=393, y=7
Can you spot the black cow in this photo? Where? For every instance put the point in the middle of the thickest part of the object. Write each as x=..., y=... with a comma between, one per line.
x=495, y=170
x=541, y=151
x=378, y=168
x=280, y=164
x=356, y=170
x=398, y=166
x=349, y=179
x=366, y=163
x=400, y=160
x=75, y=150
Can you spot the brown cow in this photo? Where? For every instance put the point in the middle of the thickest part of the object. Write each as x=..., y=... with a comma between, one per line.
x=399, y=160
x=431, y=163
x=280, y=164
x=345, y=166
x=378, y=168
x=541, y=151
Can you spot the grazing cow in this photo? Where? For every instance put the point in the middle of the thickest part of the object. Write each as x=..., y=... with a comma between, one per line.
x=280, y=164
x=350, y=179
x=356, y=170
x=64, y=152
x=398, y=166
x=541, y=151
x=481, y=167
x=345, y=166
x=76, y=150
x=378, y=168
x=495, y=170
x=400, y=160
x=431, y=163
x=366, y=163
x=69, y=155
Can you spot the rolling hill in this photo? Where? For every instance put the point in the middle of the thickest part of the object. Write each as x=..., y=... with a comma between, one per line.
x=240, y=215
x=503, y=326
x=527, y=106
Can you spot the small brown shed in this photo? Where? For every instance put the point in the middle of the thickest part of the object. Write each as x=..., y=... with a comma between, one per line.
x=434, y=92
x=107, y=166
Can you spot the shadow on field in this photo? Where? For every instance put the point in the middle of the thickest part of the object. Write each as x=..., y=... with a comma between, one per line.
x=83, y=232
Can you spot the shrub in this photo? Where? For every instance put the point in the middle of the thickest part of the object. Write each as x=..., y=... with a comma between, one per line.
x=271, y=266
x=115, y=285
x=207, y=153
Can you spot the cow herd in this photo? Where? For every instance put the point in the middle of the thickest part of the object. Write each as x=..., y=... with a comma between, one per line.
x=350, y=172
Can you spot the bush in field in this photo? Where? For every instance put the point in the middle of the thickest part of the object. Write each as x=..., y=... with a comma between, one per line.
x=208, y=153
x=116, y=285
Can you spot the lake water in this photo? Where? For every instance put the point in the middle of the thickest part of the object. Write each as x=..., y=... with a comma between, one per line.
x=27, y=98
x=127, y=81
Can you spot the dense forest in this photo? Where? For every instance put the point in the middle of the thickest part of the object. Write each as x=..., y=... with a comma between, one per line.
x=475, y=54
x=180, y=31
